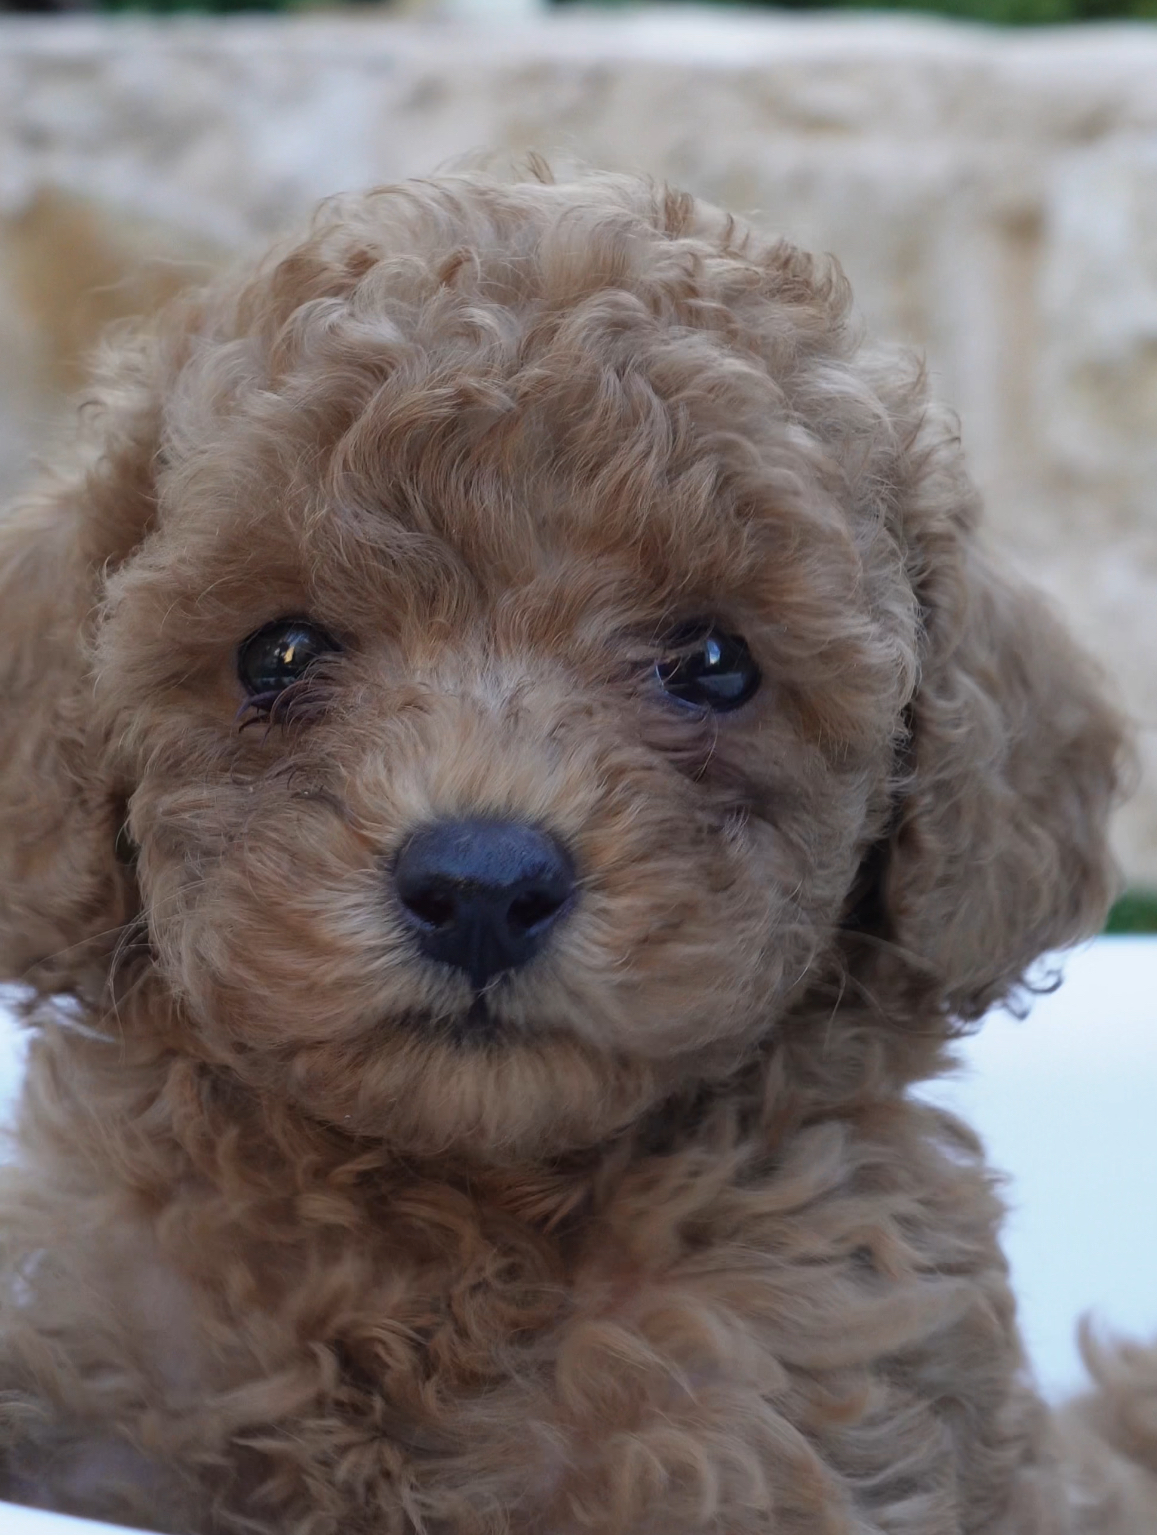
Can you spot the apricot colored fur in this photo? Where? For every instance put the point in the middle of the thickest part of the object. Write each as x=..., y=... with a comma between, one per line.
x=285, y=1249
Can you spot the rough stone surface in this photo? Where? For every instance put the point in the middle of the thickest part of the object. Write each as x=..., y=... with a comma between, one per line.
x=992, y=196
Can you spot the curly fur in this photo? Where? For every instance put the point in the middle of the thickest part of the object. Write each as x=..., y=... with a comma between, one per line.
x=675, y=1250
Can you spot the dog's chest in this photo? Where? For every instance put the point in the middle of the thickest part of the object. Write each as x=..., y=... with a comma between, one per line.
x=508, y=1374
x=653, y=1371
x=440, y=1360
x=473, y=1364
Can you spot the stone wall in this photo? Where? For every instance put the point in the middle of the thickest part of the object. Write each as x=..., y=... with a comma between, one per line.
x=993, y=197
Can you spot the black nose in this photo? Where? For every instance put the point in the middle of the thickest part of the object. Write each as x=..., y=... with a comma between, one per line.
x=483, y=895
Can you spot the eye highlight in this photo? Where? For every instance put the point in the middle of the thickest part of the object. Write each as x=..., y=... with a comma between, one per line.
x=708, y=668
x=279, y=655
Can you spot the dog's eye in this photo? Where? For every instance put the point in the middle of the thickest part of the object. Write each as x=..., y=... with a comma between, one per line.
x=708, y=668
x=280, y=654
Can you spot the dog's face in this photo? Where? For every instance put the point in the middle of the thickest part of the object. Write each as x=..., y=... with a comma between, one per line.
x=516, y=666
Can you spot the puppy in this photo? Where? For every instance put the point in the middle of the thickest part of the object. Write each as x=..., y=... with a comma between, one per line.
x=514, y=762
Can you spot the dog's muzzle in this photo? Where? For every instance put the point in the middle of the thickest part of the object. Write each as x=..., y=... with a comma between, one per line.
x=483, y=896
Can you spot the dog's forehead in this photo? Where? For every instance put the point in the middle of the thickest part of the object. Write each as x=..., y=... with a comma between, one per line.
x=602, y=448
x=601, y=401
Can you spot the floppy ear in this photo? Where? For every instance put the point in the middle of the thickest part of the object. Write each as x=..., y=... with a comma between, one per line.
x=999, y=850
x=61, y=884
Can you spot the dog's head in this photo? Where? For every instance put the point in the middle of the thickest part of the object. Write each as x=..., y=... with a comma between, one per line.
x=504, y=650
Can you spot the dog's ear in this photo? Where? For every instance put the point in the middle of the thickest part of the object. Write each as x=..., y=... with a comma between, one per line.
x=63, y=889
x=999, y=849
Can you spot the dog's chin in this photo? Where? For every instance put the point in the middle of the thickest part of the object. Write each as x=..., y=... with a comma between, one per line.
x=473, y=1085
x=480, y=1024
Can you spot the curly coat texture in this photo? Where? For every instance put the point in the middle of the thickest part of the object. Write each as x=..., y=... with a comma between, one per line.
x=672, y=1249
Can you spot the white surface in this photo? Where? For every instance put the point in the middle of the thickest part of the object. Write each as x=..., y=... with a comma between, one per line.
x=1066, y=1104
x=32, y=1521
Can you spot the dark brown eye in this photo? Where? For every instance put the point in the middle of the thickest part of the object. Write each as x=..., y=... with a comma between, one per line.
x=708, y=669
x=280, y=654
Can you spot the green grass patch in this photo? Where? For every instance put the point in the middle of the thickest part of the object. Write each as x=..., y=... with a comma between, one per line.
x=1135, y=912
x=1016, y=13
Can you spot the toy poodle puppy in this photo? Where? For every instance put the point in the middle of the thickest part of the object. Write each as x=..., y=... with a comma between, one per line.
x=513, y=760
